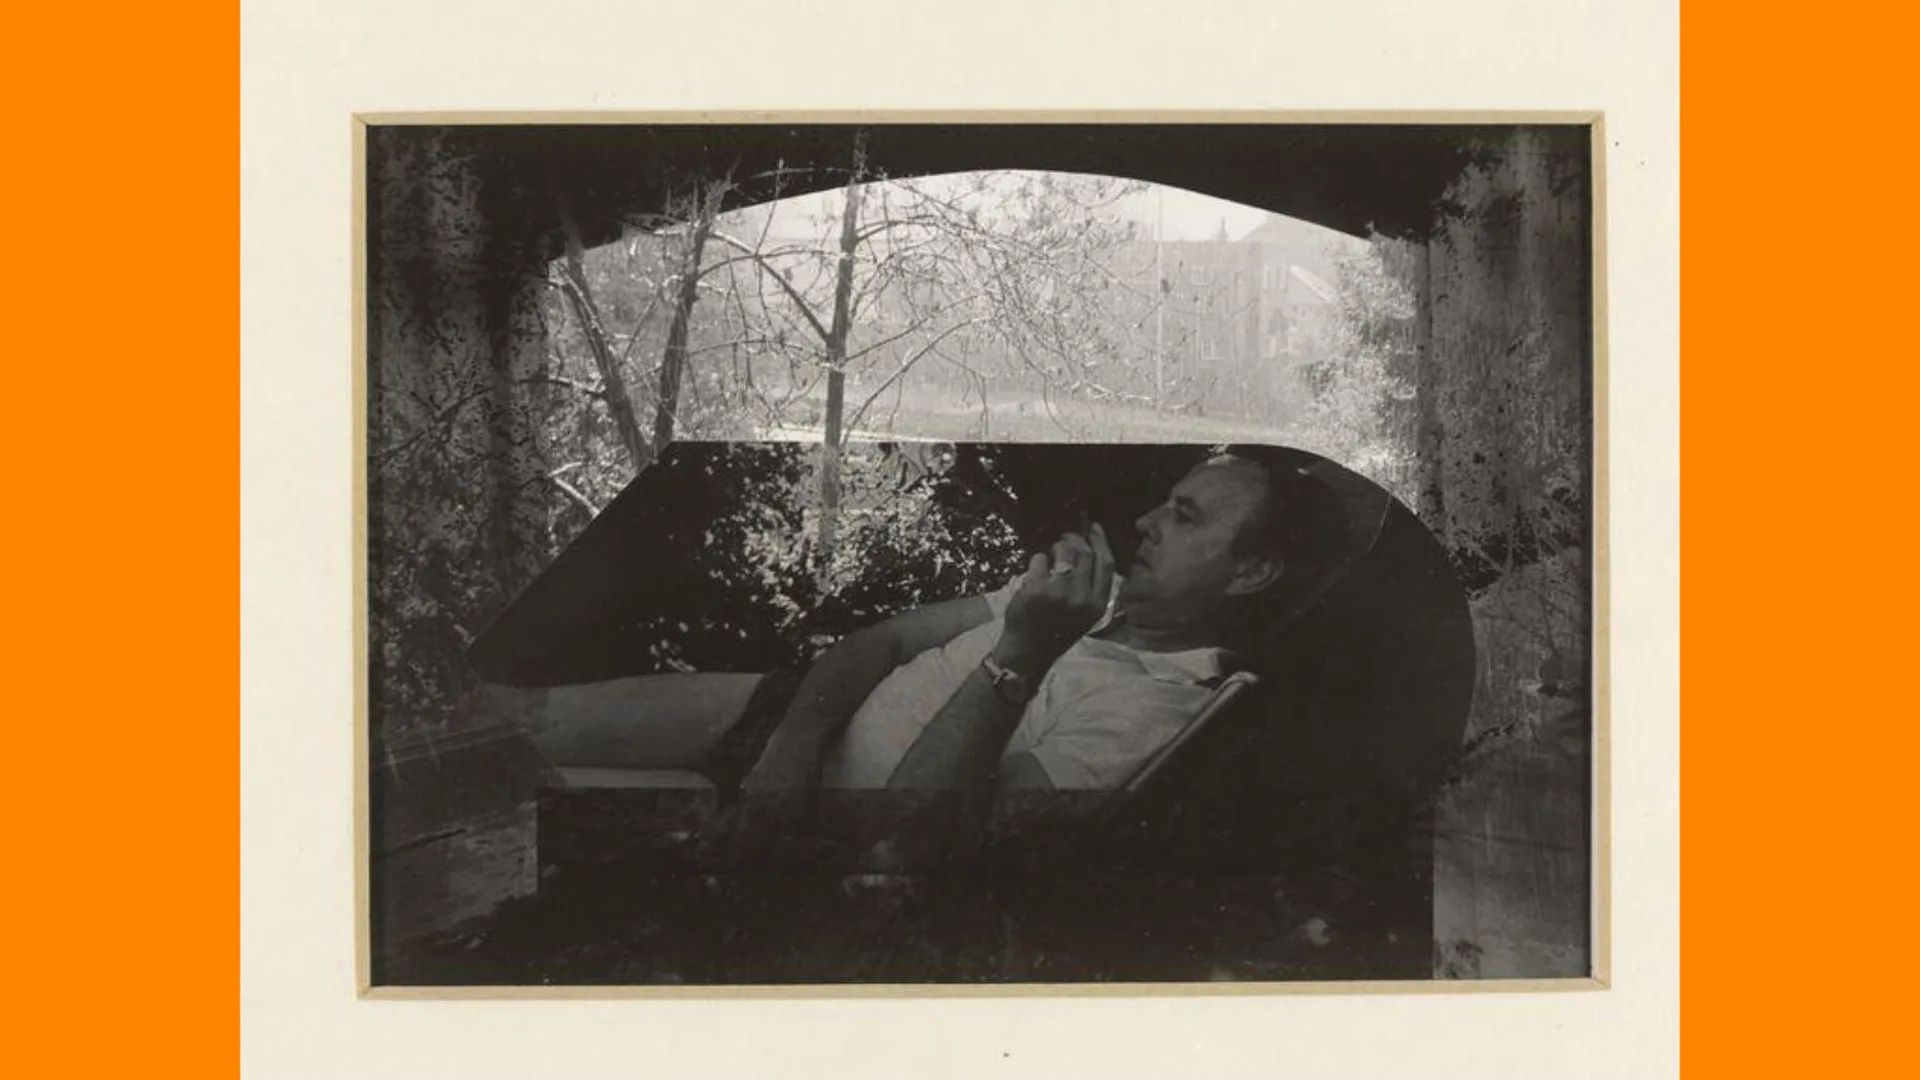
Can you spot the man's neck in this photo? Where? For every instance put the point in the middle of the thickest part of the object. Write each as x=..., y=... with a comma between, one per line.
x=1157, y=639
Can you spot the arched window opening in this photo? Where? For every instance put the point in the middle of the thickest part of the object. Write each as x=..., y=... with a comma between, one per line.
x=998, y=306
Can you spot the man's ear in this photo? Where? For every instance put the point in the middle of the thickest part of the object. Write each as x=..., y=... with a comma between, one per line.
x=1255, y=574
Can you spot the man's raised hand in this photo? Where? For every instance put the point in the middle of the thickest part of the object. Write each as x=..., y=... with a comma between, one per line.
x=1063, y=595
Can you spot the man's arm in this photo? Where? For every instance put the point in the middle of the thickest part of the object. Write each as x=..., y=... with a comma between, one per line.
x=955, y=764
x=840, y=681
x=960, y=749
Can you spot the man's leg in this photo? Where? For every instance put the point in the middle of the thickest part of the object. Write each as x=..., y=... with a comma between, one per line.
x=740, y=748
x=648, y=722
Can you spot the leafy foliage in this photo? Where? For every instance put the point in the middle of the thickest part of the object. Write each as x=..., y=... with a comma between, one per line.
x=911, y=532
x=1456, y=377
x=1361, y=377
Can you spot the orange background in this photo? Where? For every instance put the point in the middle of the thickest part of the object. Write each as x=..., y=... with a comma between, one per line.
x=1797, y=396
x=121, y=896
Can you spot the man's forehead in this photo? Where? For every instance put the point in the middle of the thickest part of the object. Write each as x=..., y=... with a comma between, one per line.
x=1222, y=482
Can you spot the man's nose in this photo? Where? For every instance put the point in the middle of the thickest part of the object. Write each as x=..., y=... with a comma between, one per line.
x=1145, y=522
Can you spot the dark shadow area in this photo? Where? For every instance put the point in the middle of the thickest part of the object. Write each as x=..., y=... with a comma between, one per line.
x=1387, y=178
x=1288, y=839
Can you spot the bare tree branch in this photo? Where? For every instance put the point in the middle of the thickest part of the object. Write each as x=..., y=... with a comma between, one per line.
x=884, y=342
x=573, y=494
x=574, y=277
x=440, y=416
x=674, y=361
x=595, y=392
x=907, y=365
x=633, y=339
x=779, y=279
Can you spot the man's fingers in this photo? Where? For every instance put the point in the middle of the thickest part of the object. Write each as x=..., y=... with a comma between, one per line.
x=1036, y=571
x=1097, y=543
x=1085, y=565
x=1069, y=553
x=1061, y=553
x=1102, y=564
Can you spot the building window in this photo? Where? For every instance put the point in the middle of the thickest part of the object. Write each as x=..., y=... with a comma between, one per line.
x=1209, y=348
x=1270, y=277
x=1197, y=275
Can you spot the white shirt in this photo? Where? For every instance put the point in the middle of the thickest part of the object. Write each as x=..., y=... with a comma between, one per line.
x=1102, y=709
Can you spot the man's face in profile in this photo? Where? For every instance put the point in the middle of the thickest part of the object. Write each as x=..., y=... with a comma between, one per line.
x=1186, y=565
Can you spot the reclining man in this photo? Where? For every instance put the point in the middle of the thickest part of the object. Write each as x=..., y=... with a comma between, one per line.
x=1070, y=678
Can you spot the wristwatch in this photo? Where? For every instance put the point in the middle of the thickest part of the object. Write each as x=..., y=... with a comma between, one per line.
x=1012, y=686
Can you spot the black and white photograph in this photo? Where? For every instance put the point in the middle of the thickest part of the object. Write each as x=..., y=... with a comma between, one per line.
x=869, y=552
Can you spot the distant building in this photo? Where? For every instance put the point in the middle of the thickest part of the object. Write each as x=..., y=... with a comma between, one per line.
x=1229, y=329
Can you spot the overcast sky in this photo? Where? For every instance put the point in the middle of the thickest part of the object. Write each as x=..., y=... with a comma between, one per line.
x=1187, y=215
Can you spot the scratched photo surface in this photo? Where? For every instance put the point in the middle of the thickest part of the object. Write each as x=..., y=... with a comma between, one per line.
x=978, y=553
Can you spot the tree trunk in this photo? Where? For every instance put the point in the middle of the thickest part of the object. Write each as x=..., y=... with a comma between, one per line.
x=830, y=436
x=613, y=385
x=673, y=364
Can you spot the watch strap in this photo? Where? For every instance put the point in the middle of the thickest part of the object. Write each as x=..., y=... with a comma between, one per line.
x=1013, y=687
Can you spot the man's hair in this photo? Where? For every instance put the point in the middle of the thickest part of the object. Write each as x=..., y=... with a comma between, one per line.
x=1300, y=521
